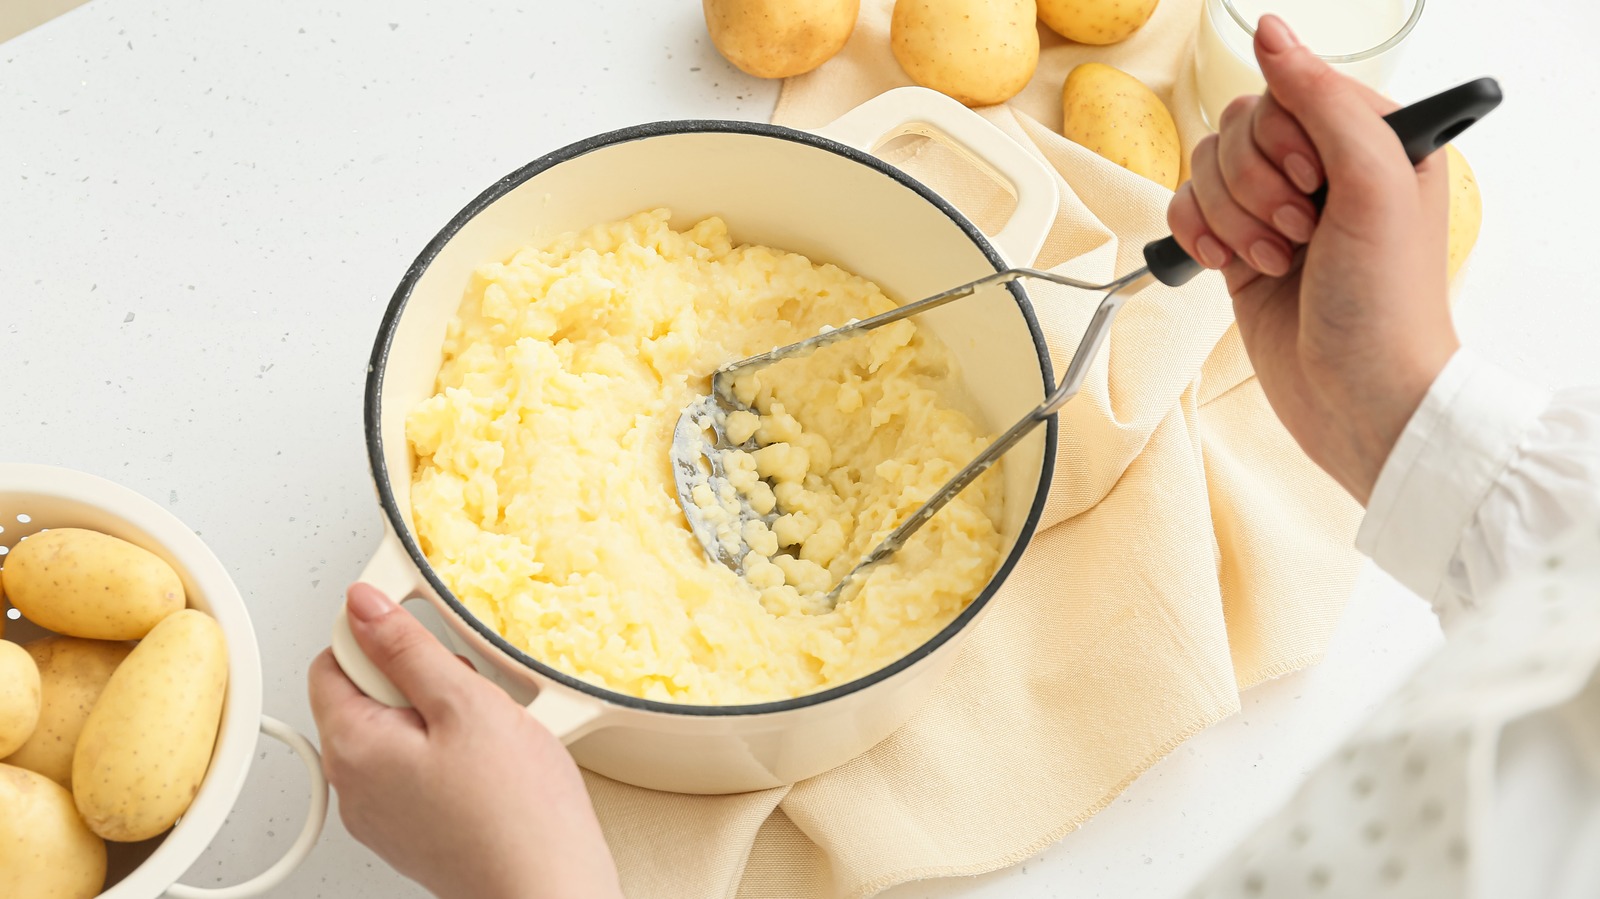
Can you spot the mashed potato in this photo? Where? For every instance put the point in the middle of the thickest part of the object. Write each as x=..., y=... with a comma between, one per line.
x=544, y=493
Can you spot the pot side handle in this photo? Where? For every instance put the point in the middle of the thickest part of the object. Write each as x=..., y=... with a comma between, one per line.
x=303, y=843
x=918, y=110
x=569, y=717
x=392, y=572
x=566, y=715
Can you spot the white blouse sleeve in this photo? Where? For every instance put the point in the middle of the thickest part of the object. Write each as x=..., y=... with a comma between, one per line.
x=1482, y=776
x=1489, y=472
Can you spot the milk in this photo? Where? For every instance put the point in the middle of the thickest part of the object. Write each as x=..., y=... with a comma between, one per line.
x=1225, y=60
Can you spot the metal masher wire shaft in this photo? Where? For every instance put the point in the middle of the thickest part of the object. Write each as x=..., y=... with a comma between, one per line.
x=689, y=447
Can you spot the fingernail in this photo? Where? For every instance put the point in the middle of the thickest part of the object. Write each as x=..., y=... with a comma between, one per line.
x=1301, y=172
x=1268, y=259
x=1275, y=35
x=1294, y=223
x=367, y=602
x=1212, y=253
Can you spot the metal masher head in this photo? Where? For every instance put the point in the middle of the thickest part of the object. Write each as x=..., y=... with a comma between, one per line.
x=715, y=508
x=717, y=511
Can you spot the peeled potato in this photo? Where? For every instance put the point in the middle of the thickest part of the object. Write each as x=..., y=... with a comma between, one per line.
x=87, y=584
x=980, y=52
x=1466, y=208
x=72, y=672
x=19, y=697
x=45, y=849
x=780, y=38
x=1115, y=115
x=1096, y=21
x=147, y=744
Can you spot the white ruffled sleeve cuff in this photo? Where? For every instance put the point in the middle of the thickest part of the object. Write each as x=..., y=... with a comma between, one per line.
x=1451, y=452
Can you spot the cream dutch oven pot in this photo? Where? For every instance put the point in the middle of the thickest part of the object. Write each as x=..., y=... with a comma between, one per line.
x=823, y=195
x=36, y=497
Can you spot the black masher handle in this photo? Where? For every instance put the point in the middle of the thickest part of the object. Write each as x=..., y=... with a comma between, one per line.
x=1422, y=127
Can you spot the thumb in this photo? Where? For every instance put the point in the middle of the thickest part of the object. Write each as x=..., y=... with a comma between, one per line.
x=1342, y=117
x=429, y=675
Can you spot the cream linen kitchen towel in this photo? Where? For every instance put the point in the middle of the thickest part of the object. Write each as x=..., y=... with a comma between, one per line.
x=1189, y=551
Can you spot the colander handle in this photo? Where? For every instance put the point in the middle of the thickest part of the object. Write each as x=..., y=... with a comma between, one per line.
x=930, y=114
x=1423, y=127
x=303, y=843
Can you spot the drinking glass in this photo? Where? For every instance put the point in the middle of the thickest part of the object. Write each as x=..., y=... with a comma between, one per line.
x=1361, y=38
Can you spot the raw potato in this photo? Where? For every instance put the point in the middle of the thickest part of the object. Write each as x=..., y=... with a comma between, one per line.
x=72, y=672
x=45, y=851
x=980, y=52
x=86, y=584
x=19, y=697
x=780, y=38
x=1115, y=115
x=147, y=744
x=1466, y=208
x=1096, y=21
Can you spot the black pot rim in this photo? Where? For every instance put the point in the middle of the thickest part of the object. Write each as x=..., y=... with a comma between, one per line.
x=380, y=357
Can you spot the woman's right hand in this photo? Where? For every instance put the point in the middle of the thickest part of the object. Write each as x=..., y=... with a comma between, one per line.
x=1345, y=314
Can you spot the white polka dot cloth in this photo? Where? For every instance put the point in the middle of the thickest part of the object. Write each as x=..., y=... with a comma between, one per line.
x=1480, y=778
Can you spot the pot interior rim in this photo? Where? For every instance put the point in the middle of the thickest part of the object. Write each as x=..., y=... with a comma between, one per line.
x=372, y=405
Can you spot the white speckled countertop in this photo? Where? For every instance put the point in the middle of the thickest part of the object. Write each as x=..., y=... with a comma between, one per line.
x=204, y=207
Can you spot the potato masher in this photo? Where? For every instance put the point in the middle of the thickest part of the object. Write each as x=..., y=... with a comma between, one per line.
x=700, y=440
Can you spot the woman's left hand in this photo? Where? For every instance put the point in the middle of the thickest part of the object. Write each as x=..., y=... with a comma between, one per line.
x=465, y=793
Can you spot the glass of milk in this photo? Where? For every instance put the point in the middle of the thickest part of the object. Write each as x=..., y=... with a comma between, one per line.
x=1358, y=37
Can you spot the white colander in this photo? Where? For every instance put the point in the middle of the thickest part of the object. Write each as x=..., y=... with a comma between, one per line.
x=36, y=497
